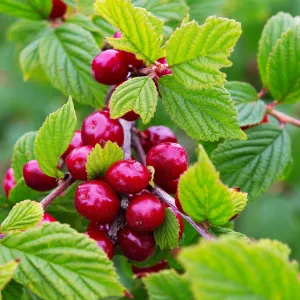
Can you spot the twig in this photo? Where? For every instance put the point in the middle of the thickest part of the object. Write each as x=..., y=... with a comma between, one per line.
x=136, y=144
x=127, y=138
x=262, y=93
x=67, y=182
x=281, y=117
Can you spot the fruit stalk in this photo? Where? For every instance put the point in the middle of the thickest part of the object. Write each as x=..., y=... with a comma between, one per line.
x=281, y=117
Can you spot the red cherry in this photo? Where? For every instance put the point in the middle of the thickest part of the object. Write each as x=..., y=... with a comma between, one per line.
x=97, y=201
x=47, y=219
x=145, y=213
x=110, y=67
x=129, y=57
x=155, y=135
x=169, y=160
x=95, y=226
x=99, y=127
x=162, y=60
x=76, y=162
x=75, y=143
x=8, y=181
x=131, y=116
x=170, y=186
x=59, y=8
x=180, y=222
x=141, y=272
x=177, y=203
x=102, y=241
x=128, y=176
x=136, y=246
x=265, y=119
x=36, y=179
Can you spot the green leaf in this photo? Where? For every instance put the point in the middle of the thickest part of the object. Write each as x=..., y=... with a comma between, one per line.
x=167, y=285
x=100, y=159
x=250, y=109
x=233, y=269
x=105, y=29
x=167, y=235
x=83, y=21
x=239, y=200
x=21, y=191
x=253, y=165
x=272, y=32
x=138, y=94
x=196, y=53
x=28, y=9
x=7, y=271
x=57, y=262
x=222, y=231
x=141, y=31
x=54, y=138
x=276, y=247
x=24, y=215
x=29, y=295
x=207, y=114
x=23, y=153
x=12, y=291
x=66, y=55
x=284, y=67
x=202, y=195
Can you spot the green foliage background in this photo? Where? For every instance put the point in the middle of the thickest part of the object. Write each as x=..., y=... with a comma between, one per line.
x=24, y=106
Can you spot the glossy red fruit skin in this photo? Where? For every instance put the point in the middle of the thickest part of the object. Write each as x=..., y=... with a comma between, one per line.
x=145, y=213
x=102, y=241
x=178, y=204
x=135, y=245
x=99, y=127
x=169, y=160
x=131, y=116
x=141, y=272
x=75, y=143
x=36, y=179
x=129, y=57
x=97, y=201
x=95, y=226
x=180, y=222
x=162, y=60
x=58, y=10
x=155, y=135
x=263, y=121
x=8, y=181
x=170, y=186
x=76, y=162
x=47, y=219
x=110, y=67
x=128, y=176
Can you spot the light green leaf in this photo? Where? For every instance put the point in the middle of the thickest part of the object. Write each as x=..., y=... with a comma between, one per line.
x=54, y=138
x=7, y=271
x=28, y=9
x=21, y=191
x=233, y=269
x=167, y=235
x=167, y=285
x=104, y=28
x=58, y=262
x=66, y=55
x=138, y=94
x=276, y=247
x=83, y=21
x=253, y=165
x=202, y=195
x=251, y=110
x=227, y=232
x=29, y=295
x=100, y=159
x=272, y=32
x=284, y=67
x=196, y=53
x=239, y=200
x=141, y=31
x=24, y=215
x=23, y=153
x=207, y=114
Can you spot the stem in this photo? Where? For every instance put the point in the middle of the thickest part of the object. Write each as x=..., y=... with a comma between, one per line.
x=127, y=138
x=67, y=182
x=281, y=117
x=165, y=197
x=262, y=93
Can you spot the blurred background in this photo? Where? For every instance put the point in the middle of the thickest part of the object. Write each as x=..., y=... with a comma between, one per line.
x=25, y=105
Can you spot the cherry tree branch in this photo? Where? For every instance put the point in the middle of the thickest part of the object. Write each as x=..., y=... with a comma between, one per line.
x=66, y=183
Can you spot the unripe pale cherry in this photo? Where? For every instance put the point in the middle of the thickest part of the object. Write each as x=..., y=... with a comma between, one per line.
x=8, y=182
x=135, y=245
x=76, y=162
x=75, y=143
x=97, y=201
x=58, y=10
x=169, y=160
x=36, y=179
x=155, y=135
x=102, y=241
x=128, y=176
x=99, y=127
x=47, y=219
x=145, y=213
x=110, y=67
